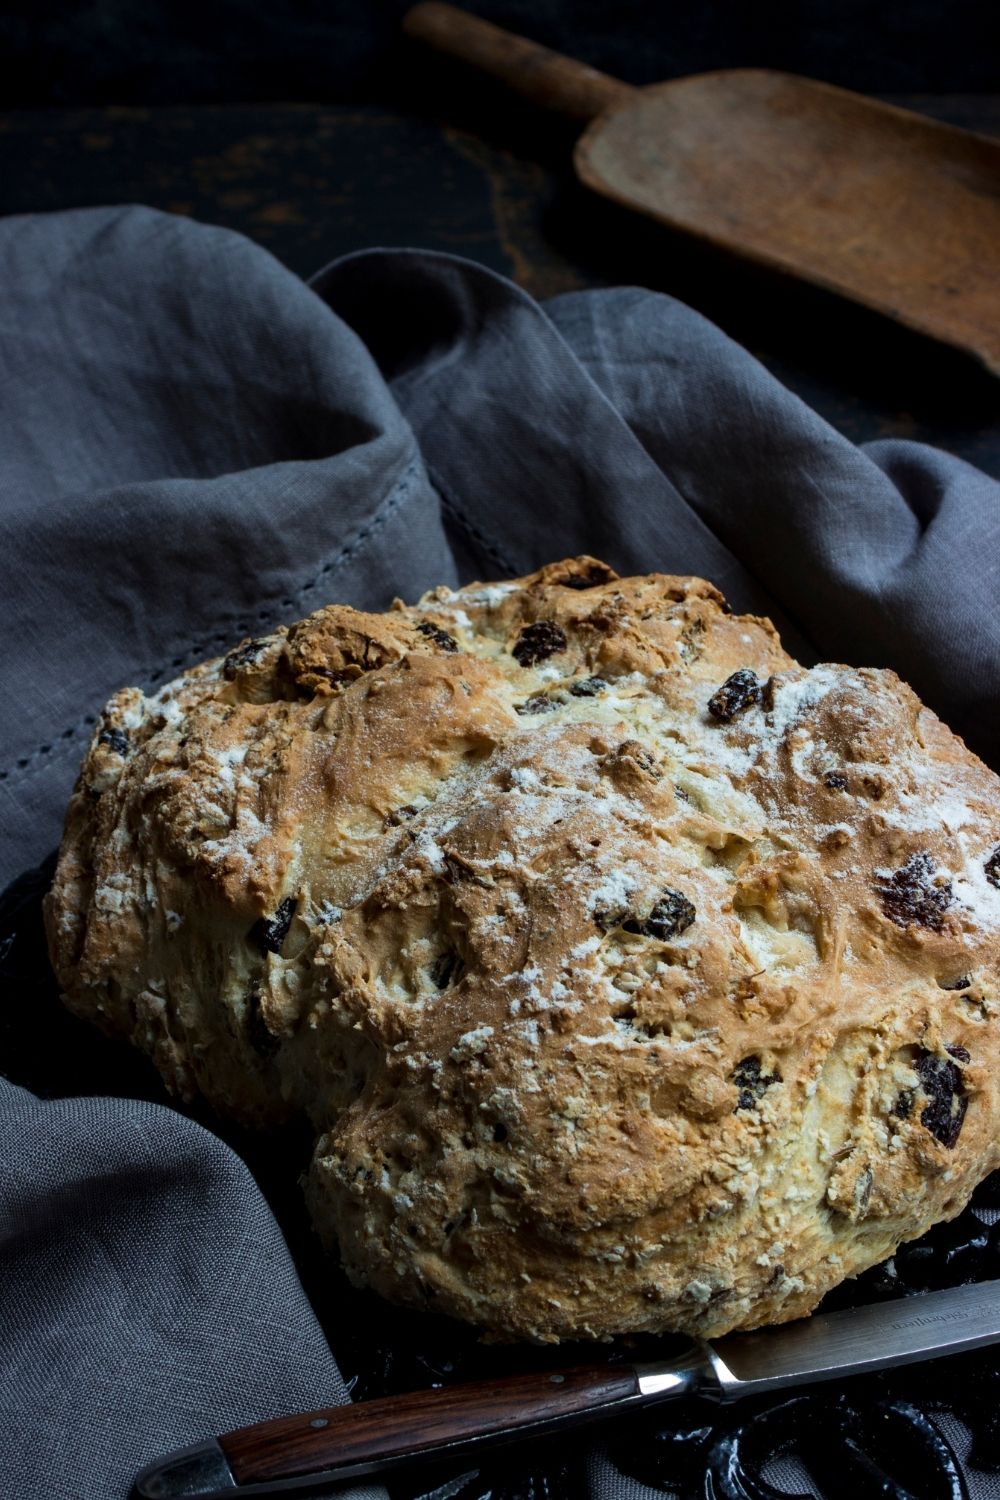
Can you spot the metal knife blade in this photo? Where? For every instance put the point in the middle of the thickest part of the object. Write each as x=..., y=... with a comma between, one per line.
x=834, y=1345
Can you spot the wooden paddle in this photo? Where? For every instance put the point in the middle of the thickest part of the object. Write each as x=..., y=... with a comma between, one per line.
x=879, y=204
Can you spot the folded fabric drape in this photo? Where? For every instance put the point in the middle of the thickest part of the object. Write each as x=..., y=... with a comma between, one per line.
x=196, y=446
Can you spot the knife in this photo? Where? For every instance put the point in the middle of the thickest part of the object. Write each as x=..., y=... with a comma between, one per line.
x=342, y=1443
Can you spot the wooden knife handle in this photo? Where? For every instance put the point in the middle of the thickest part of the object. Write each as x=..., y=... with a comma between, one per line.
x=546, y=78
x=348, y=1441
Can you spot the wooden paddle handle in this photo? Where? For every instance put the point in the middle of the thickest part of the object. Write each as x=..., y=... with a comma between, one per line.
x=347, y=1441
x=546, y=78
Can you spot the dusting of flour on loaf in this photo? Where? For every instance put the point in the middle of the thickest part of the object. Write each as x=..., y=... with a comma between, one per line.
x=631, y=976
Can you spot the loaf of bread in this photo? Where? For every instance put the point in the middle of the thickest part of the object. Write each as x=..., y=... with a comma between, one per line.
x=632, y=976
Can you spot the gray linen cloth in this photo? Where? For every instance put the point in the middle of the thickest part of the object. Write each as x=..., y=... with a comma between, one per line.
x=195, y=446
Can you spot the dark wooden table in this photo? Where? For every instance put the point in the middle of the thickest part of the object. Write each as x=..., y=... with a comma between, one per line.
x=491, y=180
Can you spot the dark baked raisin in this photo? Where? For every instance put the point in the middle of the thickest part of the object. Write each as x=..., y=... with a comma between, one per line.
x=399, y=815
x=438, y=636
x=963, y=982
x=992, y=868
x=596, y=574
x=942, y=1082
x=751, y=1083
x=588, y=687
x=539, y=704
x=672, y=915
x=270, y=932
x=263, y=1041
x=538, y=641
x=910, y=895
x=903, y=1106
x=738, y=693
x=447, y=969
x=836, y=781
x=962, y=1054
x=499, y=1131
x=115, y=739
x=243, y=656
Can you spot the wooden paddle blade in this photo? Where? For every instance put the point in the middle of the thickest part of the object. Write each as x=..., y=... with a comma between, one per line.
x=884, y=206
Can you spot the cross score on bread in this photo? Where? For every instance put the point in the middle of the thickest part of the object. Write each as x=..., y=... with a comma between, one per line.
x=632, y=976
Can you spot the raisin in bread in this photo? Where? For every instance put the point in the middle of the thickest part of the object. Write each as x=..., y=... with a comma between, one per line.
x=632, y=976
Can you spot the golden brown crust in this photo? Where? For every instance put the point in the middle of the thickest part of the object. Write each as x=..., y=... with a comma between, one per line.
x=632, y=976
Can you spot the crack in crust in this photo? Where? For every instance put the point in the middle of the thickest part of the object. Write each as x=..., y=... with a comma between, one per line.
x=632, y=976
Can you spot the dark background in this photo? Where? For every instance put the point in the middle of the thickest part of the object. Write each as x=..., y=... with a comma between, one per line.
x=227, y=51
x=315, y=128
